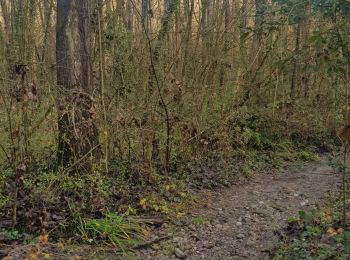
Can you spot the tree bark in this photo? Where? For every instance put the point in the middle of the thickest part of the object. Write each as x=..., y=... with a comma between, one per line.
x=7, y=20
x=121, y=11
x=204, y=12
x=293, y=79
x=243, y=25
x=165, y=26
x=260, y=6
x=48, y=7
x=7, y=16
x=145, y=13
x=188, y=10
x=130, y=15
x=226, y=11
x=78, y=135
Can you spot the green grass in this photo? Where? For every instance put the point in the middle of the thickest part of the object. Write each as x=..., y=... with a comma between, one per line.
x=113, y=229
x=199, y=220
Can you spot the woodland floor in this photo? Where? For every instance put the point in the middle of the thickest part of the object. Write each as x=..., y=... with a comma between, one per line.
x=245, y=221
x=240, y=222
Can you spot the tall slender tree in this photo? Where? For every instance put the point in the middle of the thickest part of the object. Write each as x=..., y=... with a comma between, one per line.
x=78, y=135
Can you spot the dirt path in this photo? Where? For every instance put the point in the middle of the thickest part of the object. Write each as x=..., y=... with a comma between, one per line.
x=245, y=220
x=241, y=222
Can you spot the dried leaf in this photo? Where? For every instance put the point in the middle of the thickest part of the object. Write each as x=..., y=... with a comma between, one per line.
x=33, y=256
x=142, y=203
x=182, y=194
x=44, y=239
x=331, y=232
x=60, y=245
x=340, y=230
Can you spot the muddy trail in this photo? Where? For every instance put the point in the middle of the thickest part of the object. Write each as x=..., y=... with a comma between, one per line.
x=244, y=222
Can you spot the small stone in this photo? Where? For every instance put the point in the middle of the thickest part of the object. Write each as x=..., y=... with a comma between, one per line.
x=243, y=253
x=250, y=243
x=208, y=245
x=238, y=224
x=179, y=254
x=246, y=219
x=218, y=226
x=340, y=247
x=240, y=236
x=165, y=225
x=195, y=237
x=192, y=227
x=304, y=203
x=225, y=227
x=325, y=239
x=155, y=247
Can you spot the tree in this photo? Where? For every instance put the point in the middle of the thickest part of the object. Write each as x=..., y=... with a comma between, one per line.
x=77, y=135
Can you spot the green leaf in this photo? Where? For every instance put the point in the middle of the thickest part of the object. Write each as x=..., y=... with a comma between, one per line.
x=347, y=242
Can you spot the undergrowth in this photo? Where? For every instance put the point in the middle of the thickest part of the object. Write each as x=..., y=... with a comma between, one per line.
x=114, y=230
x=319, y=233
x=315, y=234
x=94, y=205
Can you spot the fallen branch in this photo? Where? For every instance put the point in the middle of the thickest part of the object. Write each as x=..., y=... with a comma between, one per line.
x=152, y=221
x=145, y=244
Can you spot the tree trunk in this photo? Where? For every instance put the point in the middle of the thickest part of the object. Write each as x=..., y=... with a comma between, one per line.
x=165, y=27
x=226, y=11
x=121, y=11
x=78, y=135
x=48, y=7
x=293, y=79
x=146, y=13
x=204, y=12
x=260, y=6
x=243, y=26
x=188, y=10
x=130, y=15
x=8, y=23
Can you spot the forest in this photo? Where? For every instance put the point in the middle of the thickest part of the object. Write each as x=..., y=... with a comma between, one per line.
x=174, y=129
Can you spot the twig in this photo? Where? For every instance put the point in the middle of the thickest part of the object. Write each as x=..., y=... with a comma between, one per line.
x=145, y=244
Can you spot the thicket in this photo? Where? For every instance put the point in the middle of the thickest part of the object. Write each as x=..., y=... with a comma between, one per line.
x=187, y=93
